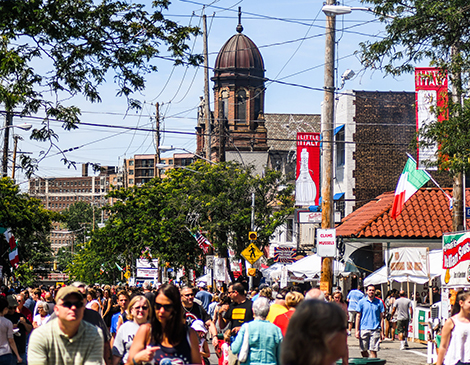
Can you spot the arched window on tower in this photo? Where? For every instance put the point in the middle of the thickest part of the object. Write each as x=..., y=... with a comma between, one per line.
x=241, y=108
x=223, y=109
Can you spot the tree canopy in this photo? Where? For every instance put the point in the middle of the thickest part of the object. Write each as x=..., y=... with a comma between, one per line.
x=160, y=216
x=68, y=48
x=31, y=224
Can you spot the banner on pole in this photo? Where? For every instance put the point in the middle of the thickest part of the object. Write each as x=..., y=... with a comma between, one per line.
x=326, y=242
x=308, y=169
x=431, y=93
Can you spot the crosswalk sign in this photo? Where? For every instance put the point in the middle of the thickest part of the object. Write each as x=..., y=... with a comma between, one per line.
x=252, y=253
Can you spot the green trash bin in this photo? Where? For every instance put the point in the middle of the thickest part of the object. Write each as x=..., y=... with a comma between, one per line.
x=363, y=361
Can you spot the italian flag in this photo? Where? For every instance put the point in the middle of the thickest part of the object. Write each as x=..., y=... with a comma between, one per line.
x=410, y=181
x=13, y=255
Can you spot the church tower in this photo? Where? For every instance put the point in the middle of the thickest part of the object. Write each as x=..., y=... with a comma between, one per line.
x=238, y=119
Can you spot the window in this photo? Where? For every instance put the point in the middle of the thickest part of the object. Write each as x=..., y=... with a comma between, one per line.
x=340, y=150
x=131, y=172
x=131, y=181
x=289, y=230
x=131, y=162
x=241, y=107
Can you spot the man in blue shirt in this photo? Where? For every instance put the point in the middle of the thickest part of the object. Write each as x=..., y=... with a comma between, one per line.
x=369, y=323
x=353, y=299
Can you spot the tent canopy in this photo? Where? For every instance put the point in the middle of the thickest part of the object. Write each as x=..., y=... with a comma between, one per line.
x=435, y=267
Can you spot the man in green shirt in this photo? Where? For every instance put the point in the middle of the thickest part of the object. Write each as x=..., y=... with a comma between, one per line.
x=66, y=339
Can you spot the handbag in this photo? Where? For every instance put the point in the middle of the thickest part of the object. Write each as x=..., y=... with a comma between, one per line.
x=245, y=349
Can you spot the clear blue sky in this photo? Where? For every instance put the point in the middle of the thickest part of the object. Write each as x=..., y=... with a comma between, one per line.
x=291, y=38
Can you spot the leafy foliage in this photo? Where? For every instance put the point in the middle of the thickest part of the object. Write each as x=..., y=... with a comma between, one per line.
x=215, y=199
x=80, y=44
x=420, y=30
x=31, y=224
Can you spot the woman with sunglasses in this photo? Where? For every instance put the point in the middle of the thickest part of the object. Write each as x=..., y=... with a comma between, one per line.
x=139, y=313
x=168, y=339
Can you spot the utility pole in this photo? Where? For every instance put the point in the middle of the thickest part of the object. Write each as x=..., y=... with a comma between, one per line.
x=327, y=124
x=221, y=136
x=6, y=137
x=207, y=111
x=15, y=148
x=157, y=138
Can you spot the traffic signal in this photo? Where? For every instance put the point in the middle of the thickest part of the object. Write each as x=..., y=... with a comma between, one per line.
x=252, y=236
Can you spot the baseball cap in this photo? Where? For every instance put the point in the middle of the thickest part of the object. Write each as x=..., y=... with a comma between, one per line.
x=67, y=290
x=198, y=325
x=12, y=302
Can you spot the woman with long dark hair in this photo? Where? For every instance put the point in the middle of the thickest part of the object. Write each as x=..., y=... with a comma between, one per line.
x=167, y=339
x=455, y=340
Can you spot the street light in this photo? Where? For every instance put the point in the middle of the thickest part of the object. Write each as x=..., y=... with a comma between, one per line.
x=171, y=148
x=332, y=10
x=6, y=128
x=24, y=126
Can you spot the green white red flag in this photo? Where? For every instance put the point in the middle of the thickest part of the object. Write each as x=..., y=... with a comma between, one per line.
x=410, y=181
x=13, y=254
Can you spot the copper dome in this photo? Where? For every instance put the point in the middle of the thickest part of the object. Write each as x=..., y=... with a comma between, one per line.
x=239, y=52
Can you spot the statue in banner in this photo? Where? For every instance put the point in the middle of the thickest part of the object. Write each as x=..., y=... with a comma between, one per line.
x=305, y=189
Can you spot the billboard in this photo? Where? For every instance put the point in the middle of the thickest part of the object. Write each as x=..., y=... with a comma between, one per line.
x=431, y=92
x=456, y=259
x=147, y=268
x=307, y=185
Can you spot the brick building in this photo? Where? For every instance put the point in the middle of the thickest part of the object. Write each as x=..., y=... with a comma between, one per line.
x=59, y=193
x=374, y=131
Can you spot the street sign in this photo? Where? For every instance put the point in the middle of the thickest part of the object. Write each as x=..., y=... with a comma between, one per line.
x=467, y=212
x=127, y=274
x=252, y=253
x=210, y=261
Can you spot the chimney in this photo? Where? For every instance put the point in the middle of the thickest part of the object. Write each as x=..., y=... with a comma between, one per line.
x=84, y=170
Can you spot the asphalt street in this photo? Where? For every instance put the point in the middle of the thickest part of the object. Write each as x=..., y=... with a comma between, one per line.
x=389, y=350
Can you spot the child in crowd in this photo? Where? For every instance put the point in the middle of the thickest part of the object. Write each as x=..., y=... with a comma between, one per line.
x=226, y=347
x=201, y=330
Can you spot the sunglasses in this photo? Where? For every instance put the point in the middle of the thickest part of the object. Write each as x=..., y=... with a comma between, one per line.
x=166, y=307
x=144, y=308
x=188, y=295
x=69, y=304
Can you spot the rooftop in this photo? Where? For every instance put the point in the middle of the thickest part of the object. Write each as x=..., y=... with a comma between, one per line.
x=425, y=215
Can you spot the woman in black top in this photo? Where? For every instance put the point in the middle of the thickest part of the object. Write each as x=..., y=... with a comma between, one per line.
x=168, y=339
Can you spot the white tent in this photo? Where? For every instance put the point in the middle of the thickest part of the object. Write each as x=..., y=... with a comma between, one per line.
x=273, y=271
x=435, y=267
x=310, y=267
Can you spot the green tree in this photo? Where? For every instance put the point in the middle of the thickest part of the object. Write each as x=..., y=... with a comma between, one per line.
x=70, y=48
x=78, y=218
x=438, y=31
x=30, y=223
x=215, y=199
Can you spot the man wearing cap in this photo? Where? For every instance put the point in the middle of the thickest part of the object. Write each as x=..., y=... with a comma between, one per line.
x=204, y=296
x=67, y=339
x=19, y=321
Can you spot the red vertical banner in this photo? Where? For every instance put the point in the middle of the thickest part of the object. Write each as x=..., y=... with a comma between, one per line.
x=431, y=93
x=307, y=185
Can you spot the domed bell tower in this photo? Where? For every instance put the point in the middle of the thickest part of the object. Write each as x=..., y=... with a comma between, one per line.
x=238, y=97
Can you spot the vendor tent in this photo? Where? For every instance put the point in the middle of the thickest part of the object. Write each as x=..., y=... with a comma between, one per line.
x=310, y=267
x=435, y=267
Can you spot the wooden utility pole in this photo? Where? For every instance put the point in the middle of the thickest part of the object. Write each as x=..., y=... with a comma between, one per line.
x=207, y=111
x=15, y=148
x=6, y=138
x=327, y=124
x=157, y=138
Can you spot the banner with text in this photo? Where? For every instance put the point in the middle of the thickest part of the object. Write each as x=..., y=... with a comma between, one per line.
x=431, y=92
x=307, y=184
x=409, y=261
x=147, y=268
x=456, y=259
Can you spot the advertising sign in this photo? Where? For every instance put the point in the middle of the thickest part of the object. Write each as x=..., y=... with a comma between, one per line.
x=146, y=268
x=306, y=216
x=219, y=269
x=409, y=261
x=284, y=254
x=307, y=185
x=431, y=92
x=456, y=259
x=326, y=242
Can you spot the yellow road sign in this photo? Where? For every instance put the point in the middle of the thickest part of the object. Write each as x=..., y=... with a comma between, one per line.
x=252, y=253
x=127, y=274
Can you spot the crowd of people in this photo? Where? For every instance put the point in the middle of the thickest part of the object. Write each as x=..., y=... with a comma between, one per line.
x=169, y=325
